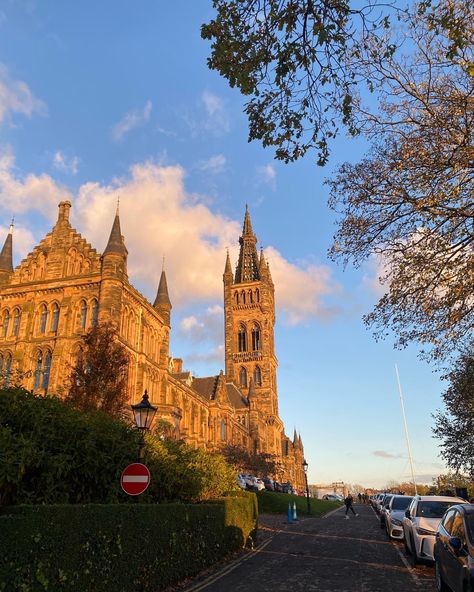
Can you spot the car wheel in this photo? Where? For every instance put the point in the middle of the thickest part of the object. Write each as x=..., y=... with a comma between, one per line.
x=440, y=585
x=414, y=554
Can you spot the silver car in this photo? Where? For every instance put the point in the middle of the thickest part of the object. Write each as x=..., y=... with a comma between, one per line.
x=421, y=522
x=394, y=515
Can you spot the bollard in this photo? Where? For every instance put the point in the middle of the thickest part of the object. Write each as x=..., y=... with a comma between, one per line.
x=290, y=514
x=295, y=517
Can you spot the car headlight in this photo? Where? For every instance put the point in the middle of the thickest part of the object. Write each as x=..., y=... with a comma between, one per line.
x=396, y=522
x=425, y=532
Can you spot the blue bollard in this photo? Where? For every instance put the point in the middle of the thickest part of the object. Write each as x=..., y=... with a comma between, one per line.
x=295, y=517
x=290, y=514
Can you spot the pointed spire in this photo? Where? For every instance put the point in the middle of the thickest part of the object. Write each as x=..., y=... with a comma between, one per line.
x=262, y=265
x=300, y=441
x=247, y=266
x=247, y=228
x=6, y=256
x=295, y=437
x=162, y=299
x=228, y=266
x=116, y=244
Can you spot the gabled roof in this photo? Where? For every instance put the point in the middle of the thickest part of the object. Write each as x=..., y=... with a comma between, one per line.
x=206, y=387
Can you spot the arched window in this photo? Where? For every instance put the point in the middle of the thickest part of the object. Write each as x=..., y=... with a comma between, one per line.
x=257, y=376
x=257, y=295
x=223, y=431
x=94, y=312
x=83, y=315
x=43, y=318
x=70, y=261
x=46, y=370
x=38, y=368
x=243, y=377
x=55, y=318
x=242, y=338
x=16, y=322
x=242, y=297
x=255, y=338
x=5, y=323
x=250, y=297
x=236, y=298
x=7, y=370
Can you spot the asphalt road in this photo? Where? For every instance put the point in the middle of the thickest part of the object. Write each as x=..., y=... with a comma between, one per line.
x=326, y=554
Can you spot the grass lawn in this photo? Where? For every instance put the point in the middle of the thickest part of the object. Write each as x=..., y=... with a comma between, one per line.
x=277, y=503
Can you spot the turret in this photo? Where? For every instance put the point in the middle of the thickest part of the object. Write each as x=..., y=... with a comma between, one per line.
x=6, y=258
x=162, y=301
x=248, y=265
x=114, y=274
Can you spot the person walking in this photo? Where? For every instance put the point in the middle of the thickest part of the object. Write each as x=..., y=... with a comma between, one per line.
x=348, y=502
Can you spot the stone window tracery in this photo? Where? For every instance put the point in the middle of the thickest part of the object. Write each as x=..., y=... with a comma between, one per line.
x=5, y=323
x=243, y=377
x=55, y=318
x=94, y=312
x=257, y=376
x=255, y=337
x=43, y=318
x=83, y=315
x=16, y=322
x=242, y=336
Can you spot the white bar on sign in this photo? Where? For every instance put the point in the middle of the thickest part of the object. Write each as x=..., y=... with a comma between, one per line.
x=135, y=479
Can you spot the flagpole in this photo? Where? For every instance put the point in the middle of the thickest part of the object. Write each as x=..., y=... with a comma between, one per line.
x=406, y=429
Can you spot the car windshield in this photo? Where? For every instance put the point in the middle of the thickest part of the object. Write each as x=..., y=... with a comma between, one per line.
x=401, y=503
x=433, y=509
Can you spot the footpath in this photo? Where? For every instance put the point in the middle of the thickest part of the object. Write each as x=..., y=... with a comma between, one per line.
x=323, y=554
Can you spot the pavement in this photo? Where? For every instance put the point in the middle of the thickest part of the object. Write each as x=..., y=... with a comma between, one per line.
x=324, y=554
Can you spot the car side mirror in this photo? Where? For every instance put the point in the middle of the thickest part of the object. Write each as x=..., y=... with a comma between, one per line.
x=456, y=544
x=407, y=514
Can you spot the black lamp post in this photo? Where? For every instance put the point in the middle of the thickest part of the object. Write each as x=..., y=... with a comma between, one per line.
x=305, y=469
x=143, y=413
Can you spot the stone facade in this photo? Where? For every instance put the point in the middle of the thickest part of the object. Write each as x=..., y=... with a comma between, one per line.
x=64, y=286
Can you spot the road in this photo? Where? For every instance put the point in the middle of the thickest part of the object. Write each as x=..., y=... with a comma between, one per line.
x=325, y=554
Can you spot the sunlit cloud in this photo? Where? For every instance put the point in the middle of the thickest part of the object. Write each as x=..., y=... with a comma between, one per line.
x=20, y=193
x=160, y=218
x=132, y=120
x=16, y=97
x=65, y=164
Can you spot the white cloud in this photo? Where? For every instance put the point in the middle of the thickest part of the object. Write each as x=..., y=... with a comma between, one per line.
x=376, y=269
x=19, y=194
x=23, y=241
x=65, y=164
x=16, y=97
x=208, y=326
x=215, y=164
x=159, y=217
x=267, y=174
x=131, y=121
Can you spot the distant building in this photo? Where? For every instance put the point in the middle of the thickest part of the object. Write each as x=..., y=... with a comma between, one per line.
x=64, y=286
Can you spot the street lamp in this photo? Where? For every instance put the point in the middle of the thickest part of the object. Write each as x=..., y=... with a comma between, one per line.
x=143, y=413
x=305, y=469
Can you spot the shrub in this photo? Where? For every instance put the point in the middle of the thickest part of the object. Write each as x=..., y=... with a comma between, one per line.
x=118, y=547
x=52, y=453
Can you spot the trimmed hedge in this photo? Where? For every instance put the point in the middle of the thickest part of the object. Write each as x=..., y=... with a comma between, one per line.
x=277, y=503
x=118, y=547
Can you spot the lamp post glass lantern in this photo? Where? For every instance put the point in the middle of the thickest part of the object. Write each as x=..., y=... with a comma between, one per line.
x=305, y=469
x=143, y=414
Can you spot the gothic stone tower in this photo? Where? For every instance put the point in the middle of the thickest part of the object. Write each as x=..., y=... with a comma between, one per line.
x=250, y=361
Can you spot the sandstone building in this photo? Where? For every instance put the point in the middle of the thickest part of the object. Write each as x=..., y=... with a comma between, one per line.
x=64, y=286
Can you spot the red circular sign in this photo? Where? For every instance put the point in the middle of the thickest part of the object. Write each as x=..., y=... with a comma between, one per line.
x=135, y=479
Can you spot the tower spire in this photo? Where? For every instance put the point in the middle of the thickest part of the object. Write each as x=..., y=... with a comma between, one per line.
x=228, y=266
x=248, y=266
x=162, y=301
x=6, y=255
x=116, y=244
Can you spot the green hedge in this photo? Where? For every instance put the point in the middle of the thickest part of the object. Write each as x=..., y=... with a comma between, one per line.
x=124, y=548
x=277, y=503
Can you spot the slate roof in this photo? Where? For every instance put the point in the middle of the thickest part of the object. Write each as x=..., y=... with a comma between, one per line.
x=206, y=388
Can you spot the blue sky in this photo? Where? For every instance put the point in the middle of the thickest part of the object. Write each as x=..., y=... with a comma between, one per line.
x=107, y=99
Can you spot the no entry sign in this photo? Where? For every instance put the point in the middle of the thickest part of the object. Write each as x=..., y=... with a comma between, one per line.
x=135, y=479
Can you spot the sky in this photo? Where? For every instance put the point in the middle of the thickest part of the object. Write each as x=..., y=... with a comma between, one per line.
x=107, y=100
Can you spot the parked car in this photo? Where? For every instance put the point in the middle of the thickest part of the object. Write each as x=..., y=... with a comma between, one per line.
x=395, y=514
x=277, y=486
x=421, y=522
x=383, y=509
x=332, y=497
x=258, y=485
x=269, y=483
x=241, y=482
x=286, y=487
x=454, y=550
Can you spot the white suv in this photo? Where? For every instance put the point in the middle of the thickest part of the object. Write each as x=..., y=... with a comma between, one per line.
x=421, y=522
